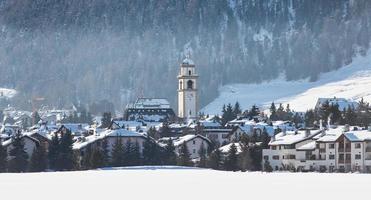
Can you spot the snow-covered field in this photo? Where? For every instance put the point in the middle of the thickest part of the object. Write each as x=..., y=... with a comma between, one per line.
x=352, y=82
x=179, y=184
x=8, y=93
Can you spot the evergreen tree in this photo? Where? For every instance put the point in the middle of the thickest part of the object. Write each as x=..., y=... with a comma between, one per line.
x=267, y=166
x=244, y=159
x=237, y=109
x=118, y=153
x=184, y=158
x=227, y=114
x=169, y=153
x=3, y=158
x=203, y=156
x=105, y=152
x=350, y=116
x=35, y=117
x=256, y=157
x=165, y=130
x=53, y=152
x=149, y=152
x=215, y=160
x=65, y=156
x=86, y=158
x=18, y=156
x=265, y=139
x=309, y=118
x=231, y=162
x=38, y=161
x=273, y=111
x=106, y=119
x=97, y=159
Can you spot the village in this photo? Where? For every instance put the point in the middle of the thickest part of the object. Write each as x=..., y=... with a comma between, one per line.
x=335, y=136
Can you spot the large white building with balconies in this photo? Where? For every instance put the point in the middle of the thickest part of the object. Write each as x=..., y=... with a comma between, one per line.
x=340, y=149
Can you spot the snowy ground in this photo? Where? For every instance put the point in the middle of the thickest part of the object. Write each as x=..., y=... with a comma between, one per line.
x=8, y=93
x=352, y=82
x=179, y=184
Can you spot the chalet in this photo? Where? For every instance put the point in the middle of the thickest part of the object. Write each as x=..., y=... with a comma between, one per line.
x=149, y=110
x=29, y=144
x=193, y=142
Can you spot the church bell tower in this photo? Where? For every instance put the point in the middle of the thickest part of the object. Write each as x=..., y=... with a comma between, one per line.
x=187, y=90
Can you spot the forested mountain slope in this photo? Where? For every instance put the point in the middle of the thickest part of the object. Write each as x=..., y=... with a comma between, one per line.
x=88, y=50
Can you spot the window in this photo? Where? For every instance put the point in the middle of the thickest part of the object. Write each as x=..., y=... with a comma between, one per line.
x=194, y=142
x=358, y=156
x=275, y=157
x=347, y=157
x=189, y=84
x=274, y=147
x=358, y=145
x=331, y=146
x=331, y=157
x=189, y=72
x=266, y=157
x=194, y=150
x=180, y=85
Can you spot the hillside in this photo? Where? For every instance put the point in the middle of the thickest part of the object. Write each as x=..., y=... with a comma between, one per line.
x=352, y=81
x=182, y=184
x=84, y=51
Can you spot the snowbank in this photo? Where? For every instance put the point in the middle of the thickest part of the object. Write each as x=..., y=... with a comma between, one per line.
x=178, y=184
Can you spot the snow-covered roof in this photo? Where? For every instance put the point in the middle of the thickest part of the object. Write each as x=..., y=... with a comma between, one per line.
x=309, y=146
x=358, y=135
x=188, y=61
x=181, y=140
x=148, y=103
x=225, y=148
x=293, y=137
x=331, y=135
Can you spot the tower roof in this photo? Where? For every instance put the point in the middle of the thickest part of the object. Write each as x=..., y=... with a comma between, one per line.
x=188, y=61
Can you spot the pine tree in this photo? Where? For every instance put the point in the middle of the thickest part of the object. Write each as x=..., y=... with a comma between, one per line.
x=53, y=152
x=184, y=156
x=86, y=158
x=273, y=111
x=97, y=159
x=267, y=166
x=231, y=162
x=118, y=153
x=35, y=118
x=65, y=156
x=105, y=152
x=3, y=158
x=244, y=159
x=203, y=156
x=38, y=161
x=237, y=109
x=169, y=153
x=256, y=157
x=215, y=160
x=265, y=139
x=18, y=156
x=106, y=119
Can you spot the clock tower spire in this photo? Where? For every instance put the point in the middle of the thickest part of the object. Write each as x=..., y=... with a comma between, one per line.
x=187, y=90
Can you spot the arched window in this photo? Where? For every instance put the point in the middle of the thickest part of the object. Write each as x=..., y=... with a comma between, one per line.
x=189, y=84
x=189, y=72
x=180, y=85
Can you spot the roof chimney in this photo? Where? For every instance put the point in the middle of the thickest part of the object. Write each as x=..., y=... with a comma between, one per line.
x=346, y=128
x=307, y=133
